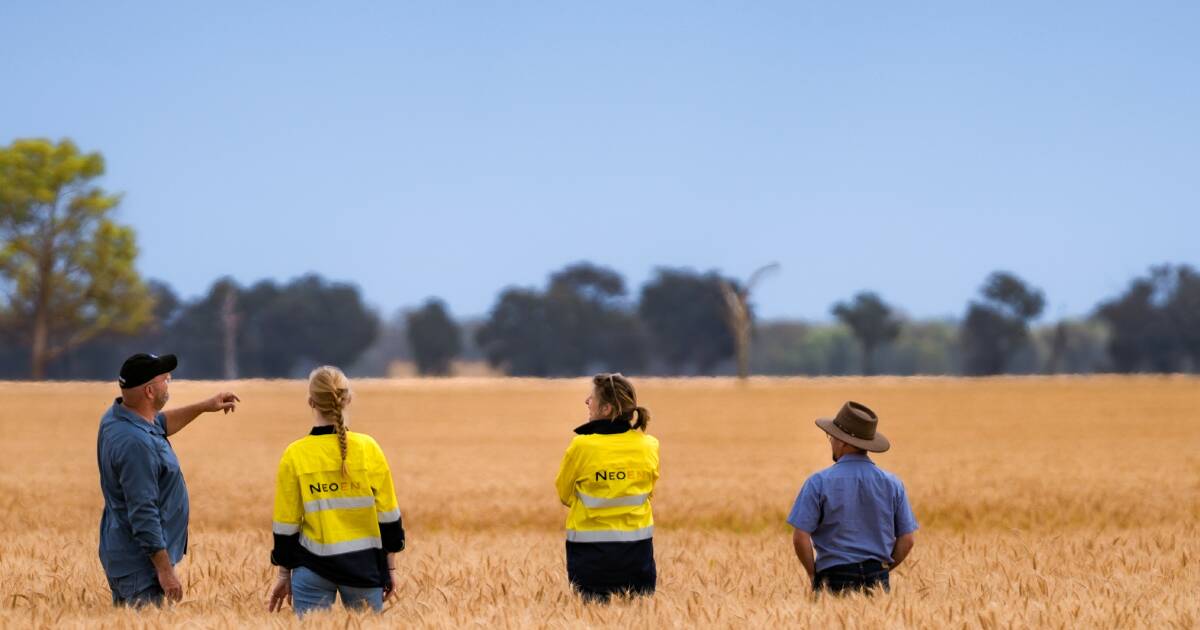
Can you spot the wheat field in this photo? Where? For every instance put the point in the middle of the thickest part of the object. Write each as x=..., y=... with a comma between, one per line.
x=1043, y=502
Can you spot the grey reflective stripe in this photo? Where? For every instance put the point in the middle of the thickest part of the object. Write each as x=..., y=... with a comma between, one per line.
x=610, y=535
x=600, y=502
x=285, y=529
x=339, y=503
x=390, y=516
x=333, y=549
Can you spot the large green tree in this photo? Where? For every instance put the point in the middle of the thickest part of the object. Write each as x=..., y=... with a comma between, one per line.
x=67, y=267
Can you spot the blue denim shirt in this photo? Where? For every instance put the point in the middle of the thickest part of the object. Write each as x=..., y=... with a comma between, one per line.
x=854, y=511
x=145, y=498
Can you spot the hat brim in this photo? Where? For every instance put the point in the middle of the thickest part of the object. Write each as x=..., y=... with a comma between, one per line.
x=878, y=445
x=167, y=363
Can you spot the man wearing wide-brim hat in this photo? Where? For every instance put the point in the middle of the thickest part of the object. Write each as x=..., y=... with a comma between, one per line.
x=852, y=521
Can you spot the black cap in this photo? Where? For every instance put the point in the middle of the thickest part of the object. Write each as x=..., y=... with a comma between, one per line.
x=140, y=369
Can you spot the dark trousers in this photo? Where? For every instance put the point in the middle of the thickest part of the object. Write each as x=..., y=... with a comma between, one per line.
x=857, y=576
x=598, y=571
x=136, y=590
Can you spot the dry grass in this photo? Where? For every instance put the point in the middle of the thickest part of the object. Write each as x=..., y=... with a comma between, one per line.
x=1043, y=503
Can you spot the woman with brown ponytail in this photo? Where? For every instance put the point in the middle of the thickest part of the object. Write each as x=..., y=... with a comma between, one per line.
x=607, y=479
x=337, y=523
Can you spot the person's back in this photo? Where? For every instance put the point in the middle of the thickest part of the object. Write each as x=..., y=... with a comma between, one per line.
x=858, y=516
x=614, y=476
x=853, y=524
x=607, y=480
x=339, y=531
x=336, y=519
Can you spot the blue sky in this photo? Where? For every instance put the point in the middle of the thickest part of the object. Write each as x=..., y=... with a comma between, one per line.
x=453, y=149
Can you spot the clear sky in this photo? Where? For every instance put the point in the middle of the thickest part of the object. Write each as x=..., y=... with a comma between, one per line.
x=453, y=149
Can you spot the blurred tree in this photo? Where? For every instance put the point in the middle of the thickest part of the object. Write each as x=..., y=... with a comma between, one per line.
x=100, y=358
x=687, y=317
x=580, y=324
x=282, y=330
x=595, y=330
x=789, y=347
x=997, y=327
x=67, y=267
x=1183, y=311
x=1155, y=324
x=1072, y=347
x=515, y=336
x=873, y=323
x=434, y=338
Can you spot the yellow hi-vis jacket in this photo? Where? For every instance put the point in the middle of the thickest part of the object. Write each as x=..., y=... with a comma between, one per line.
x=331, y=514
x=607, y=479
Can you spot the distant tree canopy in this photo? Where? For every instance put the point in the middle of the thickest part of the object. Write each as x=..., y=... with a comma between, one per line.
x=996, y=327
x=1155, y=323
x=580, y=323
x=282, y=329
x=434, y=338
x=685, y=314
x=74, y=306
x=873, y=323
x=66, y=266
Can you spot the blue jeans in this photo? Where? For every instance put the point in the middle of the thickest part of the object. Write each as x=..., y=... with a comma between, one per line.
x=136, y=590
x=313, y=592
x=858, y=576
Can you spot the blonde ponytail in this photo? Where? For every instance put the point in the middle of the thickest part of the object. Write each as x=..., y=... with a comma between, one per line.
x=329, y=390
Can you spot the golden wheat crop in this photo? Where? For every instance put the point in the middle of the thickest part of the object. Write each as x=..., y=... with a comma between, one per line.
x=1043, y=502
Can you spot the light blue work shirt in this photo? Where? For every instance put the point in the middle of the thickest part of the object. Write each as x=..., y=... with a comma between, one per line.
x=854, y=512
x=145, y=498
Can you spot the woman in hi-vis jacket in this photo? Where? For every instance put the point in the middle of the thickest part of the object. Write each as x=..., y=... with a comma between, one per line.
x=607, y=479
x=337, y=524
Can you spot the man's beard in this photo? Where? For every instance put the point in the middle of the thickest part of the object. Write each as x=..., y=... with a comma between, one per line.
x=160, y=402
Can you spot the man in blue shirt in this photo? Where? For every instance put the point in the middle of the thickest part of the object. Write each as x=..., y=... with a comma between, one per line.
x=143, y=530
x=852, y=520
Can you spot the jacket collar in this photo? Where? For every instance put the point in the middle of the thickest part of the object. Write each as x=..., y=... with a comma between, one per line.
x=602, y=427
x=119, y=410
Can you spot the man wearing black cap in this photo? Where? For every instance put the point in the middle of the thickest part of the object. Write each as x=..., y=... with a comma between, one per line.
x=143, y=531
x=853, y=524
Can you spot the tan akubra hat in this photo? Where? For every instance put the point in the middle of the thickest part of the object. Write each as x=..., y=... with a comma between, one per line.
x=855, y=425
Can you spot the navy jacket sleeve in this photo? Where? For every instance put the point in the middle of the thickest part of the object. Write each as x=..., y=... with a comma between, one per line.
x=137, y=471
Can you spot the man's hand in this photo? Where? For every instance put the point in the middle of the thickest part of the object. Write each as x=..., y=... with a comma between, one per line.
x=180, y=417
x=802, y=543
x=904, y=544
x=281, y=591
x=170, y=584
x=224, y=401
x=166, y=575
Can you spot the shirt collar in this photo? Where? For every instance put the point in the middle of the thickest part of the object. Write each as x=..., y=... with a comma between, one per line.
x=325, y=429
x=854, y=457
x=602, y=427
x=121, y=411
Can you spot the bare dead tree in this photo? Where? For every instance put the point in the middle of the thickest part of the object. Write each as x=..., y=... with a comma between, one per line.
x=737, y=302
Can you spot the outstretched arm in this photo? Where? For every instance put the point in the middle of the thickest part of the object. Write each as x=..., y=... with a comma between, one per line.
x=180, y=417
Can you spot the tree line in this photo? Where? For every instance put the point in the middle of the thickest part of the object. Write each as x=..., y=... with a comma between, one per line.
x=74, y=304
